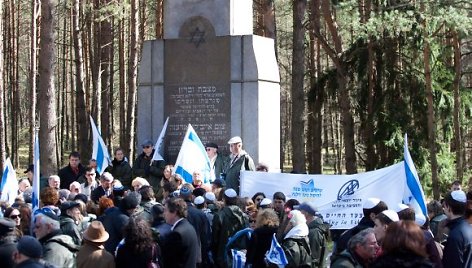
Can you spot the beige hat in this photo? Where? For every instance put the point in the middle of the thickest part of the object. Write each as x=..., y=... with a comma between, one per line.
x=235, y=139
x=96, y=233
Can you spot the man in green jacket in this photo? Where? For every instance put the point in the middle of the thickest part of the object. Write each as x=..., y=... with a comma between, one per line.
x=317, y=233
x=362, y=250
x=239, y=160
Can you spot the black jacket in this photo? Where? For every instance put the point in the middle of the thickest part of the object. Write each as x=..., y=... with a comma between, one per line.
x=121, y=170
x=458, y=249
x=68, y=176
x=258, y=245
x=153, y=173
x=180, y=248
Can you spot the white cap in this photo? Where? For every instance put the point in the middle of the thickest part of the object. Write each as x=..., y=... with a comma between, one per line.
x=265, y=202
x=230, y=193
x=459, y=196
x=199, y=200
x=210, y=196
x=399, y=207
x=296, y=217
x=371, y=202
x=235, y=139
x=391, y=214
x=420, y=219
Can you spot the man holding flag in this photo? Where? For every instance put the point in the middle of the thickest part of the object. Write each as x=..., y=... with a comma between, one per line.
x=146, y=168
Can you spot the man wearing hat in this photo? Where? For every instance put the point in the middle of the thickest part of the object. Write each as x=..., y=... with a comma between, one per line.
x=458, y=249
x=58, y=248
x=371, y=207
x=143, y=167
x=229, y=220
x=28, y=253
x=239, y=160
x=8, y=239
x=92, y=253
x=318, y=233
x=217, y=160
x=71, y=221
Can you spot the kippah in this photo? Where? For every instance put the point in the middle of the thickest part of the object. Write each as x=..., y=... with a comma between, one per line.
x=459, y=196
x=371, y=202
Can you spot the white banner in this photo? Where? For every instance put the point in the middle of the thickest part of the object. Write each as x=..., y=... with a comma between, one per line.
x=339, y=198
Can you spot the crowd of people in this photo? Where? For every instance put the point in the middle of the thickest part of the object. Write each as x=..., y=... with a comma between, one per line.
x=146, y=216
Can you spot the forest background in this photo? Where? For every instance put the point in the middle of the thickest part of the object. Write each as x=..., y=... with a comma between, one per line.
x=356, y=75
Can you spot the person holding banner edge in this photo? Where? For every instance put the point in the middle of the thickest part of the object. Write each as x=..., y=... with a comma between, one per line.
x=145, y=167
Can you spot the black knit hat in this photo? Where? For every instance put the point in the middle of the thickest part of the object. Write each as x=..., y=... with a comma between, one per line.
x=30, y=247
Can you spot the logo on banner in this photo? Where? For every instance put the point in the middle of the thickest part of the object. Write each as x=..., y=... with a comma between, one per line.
x=307, y=189
x=349, y=188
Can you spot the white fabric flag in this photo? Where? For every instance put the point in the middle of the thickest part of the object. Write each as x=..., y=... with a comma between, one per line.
x=413, y=195
x=100, y=151
x=36, y=173
x=192, y=157
x=9, y=186
x=276, y=254
x=159, y=147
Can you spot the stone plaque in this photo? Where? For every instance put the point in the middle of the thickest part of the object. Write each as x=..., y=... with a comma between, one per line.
x=197, y=90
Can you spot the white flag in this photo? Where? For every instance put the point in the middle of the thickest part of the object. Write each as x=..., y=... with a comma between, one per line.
x=192, y=157
x=36, y=173
x=158, y=147
x=9, y=186
x=414, y=195
x=100, y=151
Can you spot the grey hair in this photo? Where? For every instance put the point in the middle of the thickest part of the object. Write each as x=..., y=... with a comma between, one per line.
x=55, y=225
x=359, y=238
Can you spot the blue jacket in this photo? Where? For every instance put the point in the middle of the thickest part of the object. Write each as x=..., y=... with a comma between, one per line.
x=458, y=249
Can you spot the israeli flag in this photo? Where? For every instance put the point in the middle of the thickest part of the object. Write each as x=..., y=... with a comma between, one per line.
x=192, y=156
x=413, y=194
x=9, y=186
x=35, y=199
x=158, y=147
x=239, y=258
x=276, y=254
x=100, y=151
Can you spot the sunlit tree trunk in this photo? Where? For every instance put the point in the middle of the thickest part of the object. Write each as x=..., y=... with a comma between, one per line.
x=47, y=99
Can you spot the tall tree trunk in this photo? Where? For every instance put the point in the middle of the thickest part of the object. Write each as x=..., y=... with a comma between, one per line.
x=80, y=109
x=159, y=19
x=315, y=115
x=456, y=44
x=122, y=72
x=106, y=42
x=32, y=76
x=47, y=100
x=132, y=78
x=298, y=91
x=343, y=90
x=2, y=90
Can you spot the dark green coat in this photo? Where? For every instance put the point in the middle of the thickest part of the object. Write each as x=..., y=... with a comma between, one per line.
x=244, y=162
x=317, y=235
x=121, y=170
x=153, y=173
x=70, y=228
x=226, y=223
x=297, y=251
x=345, y=260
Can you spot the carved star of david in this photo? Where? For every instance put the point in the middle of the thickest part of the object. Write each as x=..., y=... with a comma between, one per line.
x=197, y=37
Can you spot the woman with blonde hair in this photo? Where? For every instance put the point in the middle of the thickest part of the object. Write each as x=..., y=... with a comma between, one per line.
x=267, y=223
x=139, y=182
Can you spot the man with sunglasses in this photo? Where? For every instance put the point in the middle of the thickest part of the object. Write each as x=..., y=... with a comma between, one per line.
x=217, y=161
x=146, y=168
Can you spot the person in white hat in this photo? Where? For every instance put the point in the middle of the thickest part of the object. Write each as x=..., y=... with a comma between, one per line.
x=371, y=207
x=229, y=220
x=458, y=249
x=382, y=220
x=239, y=160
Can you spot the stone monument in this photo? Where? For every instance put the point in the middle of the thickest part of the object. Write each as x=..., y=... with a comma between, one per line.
x=210, y=71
